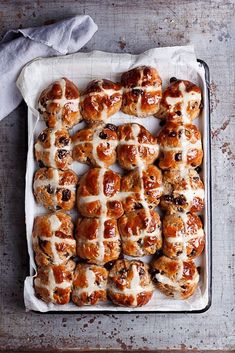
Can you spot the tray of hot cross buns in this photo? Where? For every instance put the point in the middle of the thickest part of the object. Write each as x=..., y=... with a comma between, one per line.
x=117, y=201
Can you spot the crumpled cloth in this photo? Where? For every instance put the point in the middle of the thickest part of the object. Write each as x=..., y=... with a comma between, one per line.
x=20, y=46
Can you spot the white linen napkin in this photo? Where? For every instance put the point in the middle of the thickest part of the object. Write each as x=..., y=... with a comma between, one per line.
x=22, y=45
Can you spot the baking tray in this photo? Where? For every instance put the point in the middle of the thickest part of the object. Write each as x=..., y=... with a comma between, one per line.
x=33, y=132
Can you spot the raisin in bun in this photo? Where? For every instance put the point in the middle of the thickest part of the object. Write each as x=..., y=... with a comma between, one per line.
x=89, y=284
x=53, y=283
x=98, y=194
x=140, y=187
x=183, y=191
x=183, y=236
x=98, y=239
x=53, y=241
x=55, y=189
x=142, y=91
x=140, y=232
x=137, y=146
x=100, y=100
x=180, y=145
x=181, y=102
x=129, y=283
x=175, y=278
x=53, y=149
x=59, y=104
x=96, y=146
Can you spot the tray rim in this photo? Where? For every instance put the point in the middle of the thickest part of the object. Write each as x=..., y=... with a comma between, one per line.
x=209, y=236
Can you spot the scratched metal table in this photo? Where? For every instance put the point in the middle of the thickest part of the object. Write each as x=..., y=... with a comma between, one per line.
x=127, y=26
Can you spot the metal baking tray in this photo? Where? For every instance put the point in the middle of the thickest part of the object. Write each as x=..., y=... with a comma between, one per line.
x=205, y=127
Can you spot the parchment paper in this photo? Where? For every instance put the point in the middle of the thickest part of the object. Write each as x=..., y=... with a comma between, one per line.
x=170, y=62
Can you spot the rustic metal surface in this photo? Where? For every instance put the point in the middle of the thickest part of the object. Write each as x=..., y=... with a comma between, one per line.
x=127, y=26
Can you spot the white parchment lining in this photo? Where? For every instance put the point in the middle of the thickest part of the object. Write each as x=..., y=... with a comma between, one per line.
x=170, y=62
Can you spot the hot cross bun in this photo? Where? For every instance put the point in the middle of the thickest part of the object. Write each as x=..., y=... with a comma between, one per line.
x=53, y=149
x=175, y=278
x=98, y=239
x=55, y=189
x=98, y=194
x=100, y=100
x=89, y=284
x=180, y=145
x=139, y=187
x=53, y=283
x=137, y=146
x=140, y=232
x=129, y=283
x=53, y=241
x=183, y=236
x=183, y=191
x=59, y=104
x=142, y=91
x=181, y=102
x=96, y=146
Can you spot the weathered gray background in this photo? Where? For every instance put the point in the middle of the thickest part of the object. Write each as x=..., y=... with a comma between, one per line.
x=127, y=26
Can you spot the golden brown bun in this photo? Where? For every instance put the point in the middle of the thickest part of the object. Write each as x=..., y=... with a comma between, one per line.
x=100, y=100
x=180, y=145
x=140, y=233
x=53, y=283
x=59, y=104
x=96, y=146
x=181, y=102
x=129, y=283
x=98, y=239
x=53, y=149
x=183, y=236
x=175, y=278
x=53, y=241
x=138, y=188
x=55, y=189
x=89, y=284
x=142, y=91
x=183, y=191
x=98, y=194
x=137, y=146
